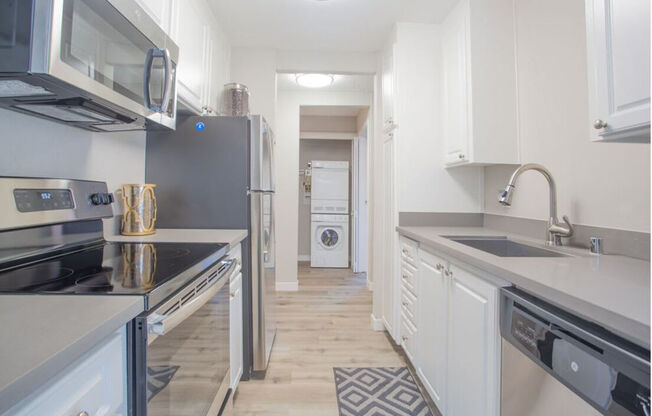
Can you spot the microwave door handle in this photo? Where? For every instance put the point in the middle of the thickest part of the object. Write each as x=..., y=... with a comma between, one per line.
x=149, y=61
x=165, y=323
x=167, y=85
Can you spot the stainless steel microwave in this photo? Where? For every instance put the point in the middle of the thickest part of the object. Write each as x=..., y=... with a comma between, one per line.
x=101, y=65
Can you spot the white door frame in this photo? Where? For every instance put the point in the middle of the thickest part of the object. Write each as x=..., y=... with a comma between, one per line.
x=359, y=205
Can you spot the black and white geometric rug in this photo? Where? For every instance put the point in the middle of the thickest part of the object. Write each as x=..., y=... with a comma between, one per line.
x=380, y=391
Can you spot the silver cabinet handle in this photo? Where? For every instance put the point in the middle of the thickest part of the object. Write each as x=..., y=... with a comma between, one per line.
x=439, y=267
x=460, y=156
x=404, y=338
x=83, y=413
x=599, y=124
x=448, y=273
x=405, y=251
x=405, y=304
x=405, y=276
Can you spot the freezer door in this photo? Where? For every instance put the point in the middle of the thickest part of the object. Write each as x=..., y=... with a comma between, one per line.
x=262, y=166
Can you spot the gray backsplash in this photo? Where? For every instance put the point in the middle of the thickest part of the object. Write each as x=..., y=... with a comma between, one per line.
x=620, y=242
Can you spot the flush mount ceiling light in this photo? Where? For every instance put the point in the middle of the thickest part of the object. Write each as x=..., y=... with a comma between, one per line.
x=314, y=80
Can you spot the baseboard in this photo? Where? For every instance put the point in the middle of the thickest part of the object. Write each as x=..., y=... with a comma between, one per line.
x=377, y=324
x=303, y=257
x=370, y=284
x=287, y=286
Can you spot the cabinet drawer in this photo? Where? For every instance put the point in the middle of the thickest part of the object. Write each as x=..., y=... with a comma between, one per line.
x=409, y=305
x=95, y=385
x=408, y=250
x=408, y=337
x=408, y=279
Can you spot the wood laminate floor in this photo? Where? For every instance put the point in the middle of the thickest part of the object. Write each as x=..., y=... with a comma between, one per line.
x=325, y=324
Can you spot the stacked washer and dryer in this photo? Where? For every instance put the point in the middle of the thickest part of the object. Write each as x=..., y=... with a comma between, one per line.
x=329, y=208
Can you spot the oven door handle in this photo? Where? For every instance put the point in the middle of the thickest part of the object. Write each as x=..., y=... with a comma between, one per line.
x=163, y=324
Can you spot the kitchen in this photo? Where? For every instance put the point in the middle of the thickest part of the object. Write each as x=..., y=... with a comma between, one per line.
x=465, y=271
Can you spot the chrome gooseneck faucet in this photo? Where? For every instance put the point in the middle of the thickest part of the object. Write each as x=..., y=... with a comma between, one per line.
x=555, y=230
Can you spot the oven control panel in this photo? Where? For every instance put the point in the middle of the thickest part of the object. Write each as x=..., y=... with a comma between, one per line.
x=28, y=200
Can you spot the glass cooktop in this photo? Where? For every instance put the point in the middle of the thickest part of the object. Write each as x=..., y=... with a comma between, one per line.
x=113, y=268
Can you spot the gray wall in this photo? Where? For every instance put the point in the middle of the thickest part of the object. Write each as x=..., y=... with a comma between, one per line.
x=30, y=146
x=338, y=124
x=598, y=184
x=317, y=150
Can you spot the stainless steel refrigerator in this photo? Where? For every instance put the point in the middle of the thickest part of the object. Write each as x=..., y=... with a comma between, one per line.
x=217, y=172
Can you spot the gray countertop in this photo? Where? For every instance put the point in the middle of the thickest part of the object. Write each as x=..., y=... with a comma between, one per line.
x=41, y=335
x=613, y=291
x=169, y=235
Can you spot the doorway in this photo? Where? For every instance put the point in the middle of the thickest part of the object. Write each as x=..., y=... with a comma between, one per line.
x=333, y=187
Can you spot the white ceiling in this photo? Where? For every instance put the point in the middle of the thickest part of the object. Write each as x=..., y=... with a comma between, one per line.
x=341, y=83
x=331, y=110
x=326, y=25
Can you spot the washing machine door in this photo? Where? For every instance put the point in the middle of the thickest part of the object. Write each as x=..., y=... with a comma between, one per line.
x=329, y=237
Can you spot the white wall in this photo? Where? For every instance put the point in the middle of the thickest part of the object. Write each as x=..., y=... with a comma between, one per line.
x=287, y=167
x=330, y=62
x=599, y=184
x=256, y=68
x=423, y=183
x=36, y=147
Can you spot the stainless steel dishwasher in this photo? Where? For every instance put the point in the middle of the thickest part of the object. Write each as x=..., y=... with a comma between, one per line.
x=555, y=363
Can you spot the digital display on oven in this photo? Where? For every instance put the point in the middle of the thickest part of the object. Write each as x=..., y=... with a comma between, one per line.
x=30, y=200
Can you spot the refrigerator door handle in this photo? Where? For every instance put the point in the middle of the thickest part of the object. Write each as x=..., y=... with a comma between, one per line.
x=262, y=191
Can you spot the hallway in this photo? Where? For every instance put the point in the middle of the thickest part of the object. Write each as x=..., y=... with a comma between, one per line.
x=325, y=324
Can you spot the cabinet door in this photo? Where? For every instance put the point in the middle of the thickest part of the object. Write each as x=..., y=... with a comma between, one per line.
x=96, y=384
x=618, y=41
x=235, y=310
x=473, y=346
x=456, y=87
x=159, y=10
x=390, y=256
x=432, y=322
x=191, y=31
x=388, y=87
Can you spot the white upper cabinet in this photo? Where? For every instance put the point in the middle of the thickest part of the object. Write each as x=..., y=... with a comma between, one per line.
x=191, y=30
x=618, y=45
x=159, y=10
x=480, y=125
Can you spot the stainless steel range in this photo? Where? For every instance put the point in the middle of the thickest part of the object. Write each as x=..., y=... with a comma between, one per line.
x=51, y=243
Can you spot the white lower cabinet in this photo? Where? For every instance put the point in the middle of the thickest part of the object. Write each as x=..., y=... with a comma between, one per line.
x=473, y=346
x=433, y=322
x=235, y=319
x=456, y=349
x=96, y=385
x=236, y=330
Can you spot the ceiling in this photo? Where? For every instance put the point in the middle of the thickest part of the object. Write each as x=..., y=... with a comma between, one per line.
x=341, y=83
x=321, y=25
x=331, y=110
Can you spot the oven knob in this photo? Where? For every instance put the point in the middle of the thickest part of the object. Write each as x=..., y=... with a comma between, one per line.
x=101, y=198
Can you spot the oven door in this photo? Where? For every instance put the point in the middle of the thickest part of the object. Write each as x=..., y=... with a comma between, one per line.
x=181, y=353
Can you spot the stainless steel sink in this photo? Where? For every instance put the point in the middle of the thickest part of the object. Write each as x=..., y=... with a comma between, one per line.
x=501, y=246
